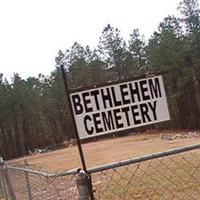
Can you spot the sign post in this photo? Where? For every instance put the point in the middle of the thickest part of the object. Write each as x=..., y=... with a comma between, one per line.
x=71, y=111
x=87, y=180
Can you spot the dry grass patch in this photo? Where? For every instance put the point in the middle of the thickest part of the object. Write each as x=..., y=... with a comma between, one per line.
x=106, y=151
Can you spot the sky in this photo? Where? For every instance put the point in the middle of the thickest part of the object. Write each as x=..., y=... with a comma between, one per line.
x=33, y=31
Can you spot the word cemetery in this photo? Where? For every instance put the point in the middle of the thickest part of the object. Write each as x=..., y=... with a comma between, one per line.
x=119, y=106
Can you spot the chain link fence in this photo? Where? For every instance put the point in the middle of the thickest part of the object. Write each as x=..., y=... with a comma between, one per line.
x=23, y=183
x=170, y=177
x=172, y=174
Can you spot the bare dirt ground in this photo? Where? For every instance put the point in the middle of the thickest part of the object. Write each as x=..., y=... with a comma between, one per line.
x=109, y=150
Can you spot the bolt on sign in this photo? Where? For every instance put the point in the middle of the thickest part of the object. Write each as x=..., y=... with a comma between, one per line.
x=118, y=107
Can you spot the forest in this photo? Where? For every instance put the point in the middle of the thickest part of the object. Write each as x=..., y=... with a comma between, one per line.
x=34, y=112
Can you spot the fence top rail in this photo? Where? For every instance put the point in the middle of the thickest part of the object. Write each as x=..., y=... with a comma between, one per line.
x=110, y=165
x=42, y=173
x=143, y=158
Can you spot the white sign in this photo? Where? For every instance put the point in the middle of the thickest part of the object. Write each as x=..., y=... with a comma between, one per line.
x=119, y=107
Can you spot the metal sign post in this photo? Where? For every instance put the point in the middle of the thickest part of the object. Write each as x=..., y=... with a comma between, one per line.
x=88, y=180
x=73, y=119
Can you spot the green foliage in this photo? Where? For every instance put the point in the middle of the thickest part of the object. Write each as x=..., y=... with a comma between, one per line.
x=113, y=50
x=137, y=49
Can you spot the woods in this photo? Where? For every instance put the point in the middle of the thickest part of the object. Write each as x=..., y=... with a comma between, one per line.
x=34, y=112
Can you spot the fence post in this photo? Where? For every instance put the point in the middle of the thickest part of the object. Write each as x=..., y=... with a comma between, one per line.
x=2, y=175
x=28, y=182
x=11, y=194
x=84, y=186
